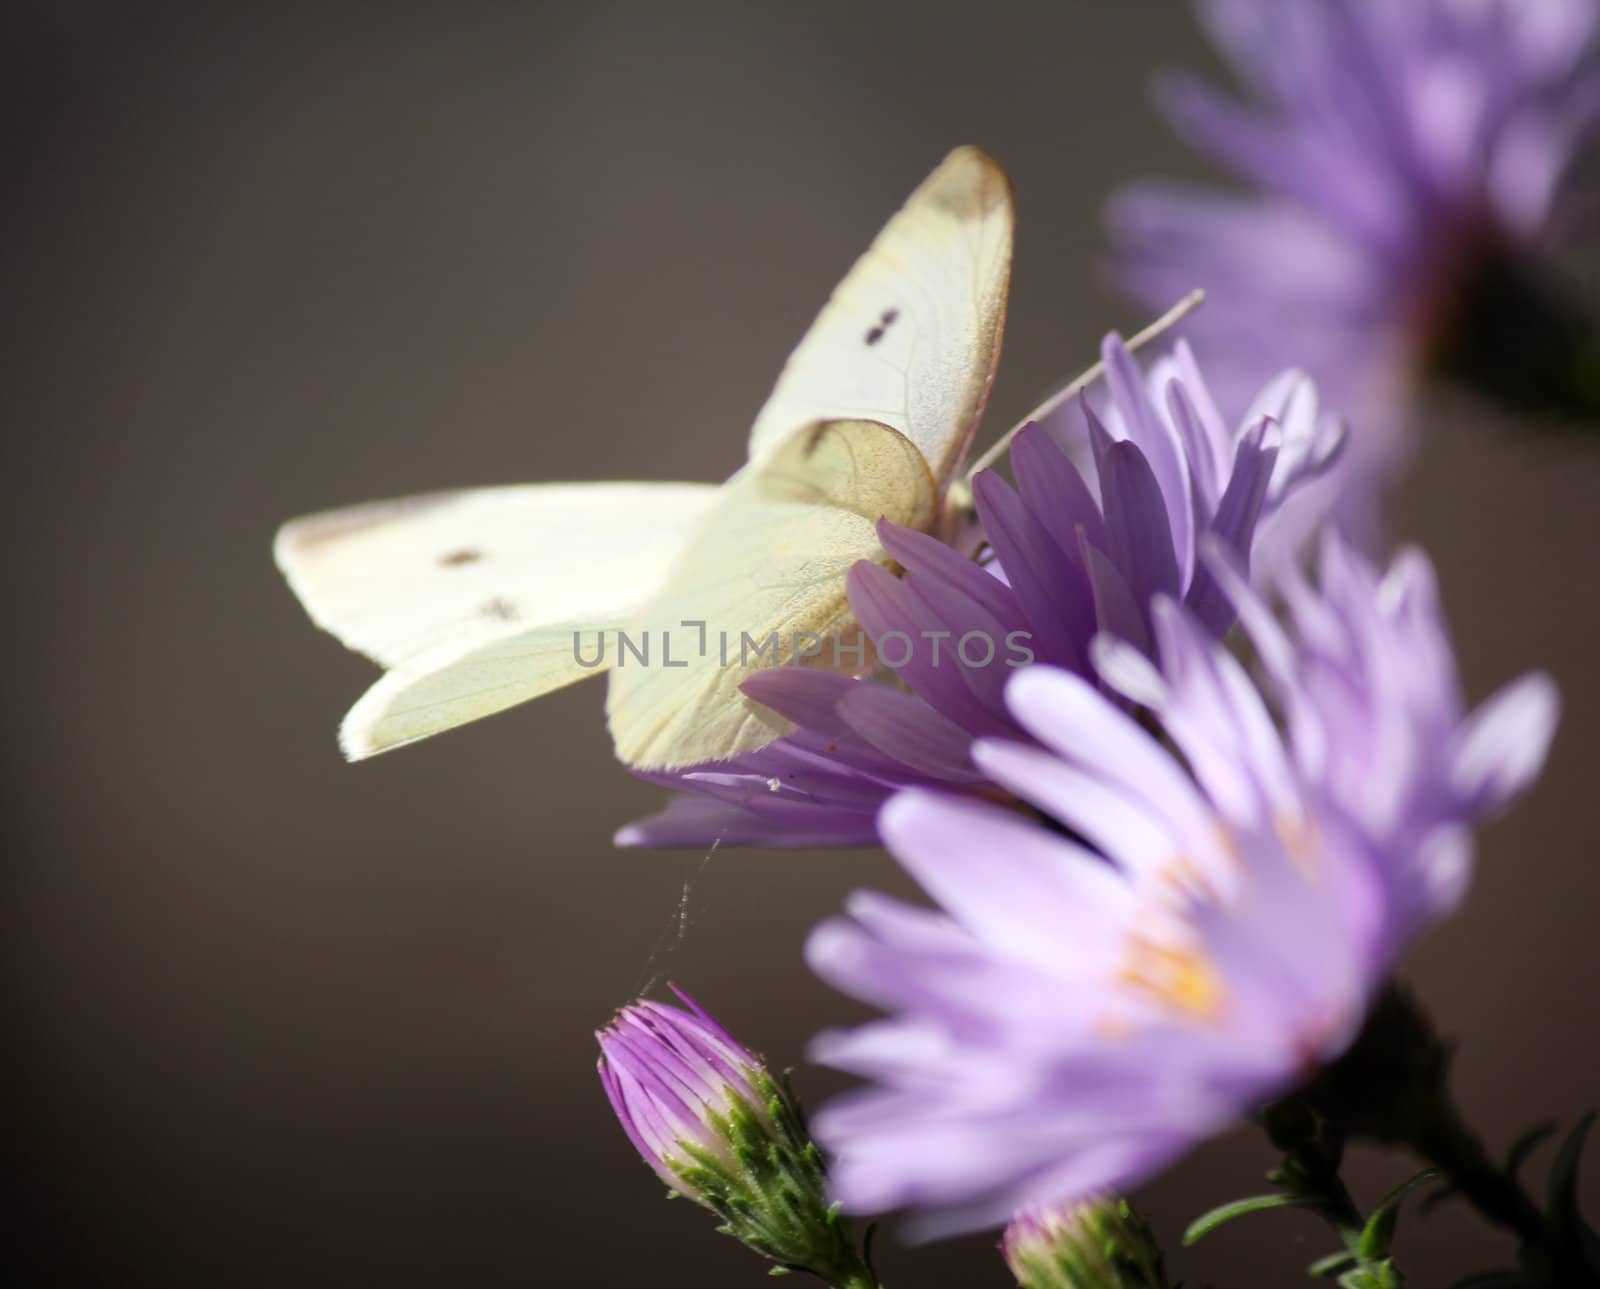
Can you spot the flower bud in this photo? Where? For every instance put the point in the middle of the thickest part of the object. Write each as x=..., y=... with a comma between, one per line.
x=1101, y=1244
x=719, y=1129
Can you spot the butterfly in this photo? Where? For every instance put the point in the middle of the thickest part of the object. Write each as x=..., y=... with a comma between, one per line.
x=477, y=600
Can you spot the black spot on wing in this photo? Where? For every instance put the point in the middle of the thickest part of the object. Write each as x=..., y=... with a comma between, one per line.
x=456, y=558
x=886, y=320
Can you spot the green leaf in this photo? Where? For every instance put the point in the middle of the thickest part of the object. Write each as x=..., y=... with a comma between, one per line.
x=1209, y=1222
x=1378, y=1234
x=1563, y=1194
x=1335, y=1264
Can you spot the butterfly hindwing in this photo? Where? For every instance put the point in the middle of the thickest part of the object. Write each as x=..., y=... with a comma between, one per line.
x=469, y=598
x=760, y=585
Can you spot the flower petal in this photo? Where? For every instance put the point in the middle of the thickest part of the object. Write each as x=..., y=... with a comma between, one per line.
x=1502, y=746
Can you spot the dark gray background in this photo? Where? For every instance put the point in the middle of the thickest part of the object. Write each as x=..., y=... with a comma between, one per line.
x=285, y=1022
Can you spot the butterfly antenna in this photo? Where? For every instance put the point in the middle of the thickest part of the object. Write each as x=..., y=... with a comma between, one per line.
x=1171, y=318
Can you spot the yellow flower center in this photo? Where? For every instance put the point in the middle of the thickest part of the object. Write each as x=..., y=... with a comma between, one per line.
x=1182, y=979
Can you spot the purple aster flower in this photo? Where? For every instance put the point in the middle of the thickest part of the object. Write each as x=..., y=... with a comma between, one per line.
x=716, y=1127
x=1190, y=930
x=1109, y=509
x=673, y=1078
x=1098, y=1244
x=1373, y=709
x=1405, y=160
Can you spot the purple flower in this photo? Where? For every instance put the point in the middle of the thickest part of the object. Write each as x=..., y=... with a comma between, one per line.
x=1109, y=510
x=1192, y=931
x=705, y=1114
x=1098, y=1244
x=1398, y=153
x=674, y=1077
x=1375, y=717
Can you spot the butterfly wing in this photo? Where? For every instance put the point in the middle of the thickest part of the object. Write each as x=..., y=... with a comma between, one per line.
x=912, y=335
x=471, y=598
x=761, y=580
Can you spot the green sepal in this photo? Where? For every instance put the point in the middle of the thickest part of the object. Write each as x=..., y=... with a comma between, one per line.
x=760, y=1173
x=1209, y=1222
x=1378, y=1234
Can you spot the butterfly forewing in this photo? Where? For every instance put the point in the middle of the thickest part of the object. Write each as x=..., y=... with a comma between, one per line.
x=911, y=337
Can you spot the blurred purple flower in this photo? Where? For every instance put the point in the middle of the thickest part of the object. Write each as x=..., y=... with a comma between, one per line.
x=1078, y=549
x=1398, y=148
x=1096, y=1244
x=1374, y=716
x=1203, y=928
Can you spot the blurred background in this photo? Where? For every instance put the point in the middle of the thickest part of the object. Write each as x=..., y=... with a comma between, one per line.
x=280, y=1021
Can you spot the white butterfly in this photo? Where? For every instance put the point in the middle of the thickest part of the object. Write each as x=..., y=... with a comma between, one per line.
x=477, y=600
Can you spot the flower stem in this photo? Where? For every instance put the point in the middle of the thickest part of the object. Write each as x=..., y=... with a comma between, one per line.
x=850, y=1272
x=1442, y=1138
x=1313, y=1149
x=1392, y=1087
